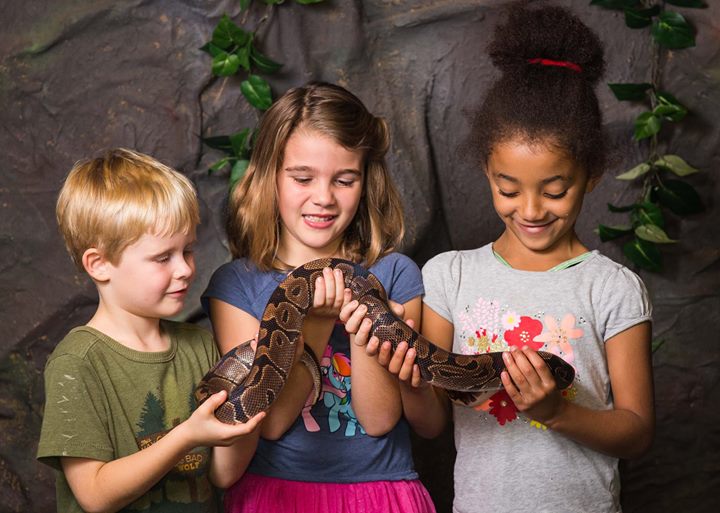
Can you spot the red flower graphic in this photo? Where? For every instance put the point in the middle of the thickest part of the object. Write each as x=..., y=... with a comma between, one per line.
x=525, y=333
x=502, y=407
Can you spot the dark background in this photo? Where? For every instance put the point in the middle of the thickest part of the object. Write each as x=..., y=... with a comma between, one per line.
x=77, y=77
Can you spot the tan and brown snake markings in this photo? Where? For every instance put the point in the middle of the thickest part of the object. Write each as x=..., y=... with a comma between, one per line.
x=254, y=380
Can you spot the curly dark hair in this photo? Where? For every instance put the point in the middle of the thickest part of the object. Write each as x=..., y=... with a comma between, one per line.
x=541, y=103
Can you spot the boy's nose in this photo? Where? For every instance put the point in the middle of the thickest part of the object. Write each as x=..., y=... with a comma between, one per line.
x=186, y=267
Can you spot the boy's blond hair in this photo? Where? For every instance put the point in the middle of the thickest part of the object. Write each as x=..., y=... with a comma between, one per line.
x=111, y=201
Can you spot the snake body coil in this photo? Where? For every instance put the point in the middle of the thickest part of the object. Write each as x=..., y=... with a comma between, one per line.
x=254, y=380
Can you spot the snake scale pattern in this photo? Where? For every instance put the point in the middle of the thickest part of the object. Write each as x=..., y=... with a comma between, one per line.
x=253, y=380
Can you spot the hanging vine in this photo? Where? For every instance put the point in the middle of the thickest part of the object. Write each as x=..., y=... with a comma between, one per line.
x=661, y=175
x=234, y=51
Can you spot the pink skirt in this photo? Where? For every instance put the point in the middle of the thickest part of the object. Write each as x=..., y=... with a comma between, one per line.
x=260, y=494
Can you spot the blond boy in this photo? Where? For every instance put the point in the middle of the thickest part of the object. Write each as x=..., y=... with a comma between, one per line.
x=119, y=422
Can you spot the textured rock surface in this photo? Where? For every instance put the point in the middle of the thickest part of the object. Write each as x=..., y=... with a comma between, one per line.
x=76, y=77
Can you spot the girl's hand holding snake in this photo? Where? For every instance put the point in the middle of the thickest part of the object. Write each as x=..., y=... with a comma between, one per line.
x=530, y=385
x=400, y=363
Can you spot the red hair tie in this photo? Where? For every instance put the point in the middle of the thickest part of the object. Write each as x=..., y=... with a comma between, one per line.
x=562, y=64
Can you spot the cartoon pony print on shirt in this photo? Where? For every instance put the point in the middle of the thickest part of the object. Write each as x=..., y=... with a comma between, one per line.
x=335, y=395
x=496, y=329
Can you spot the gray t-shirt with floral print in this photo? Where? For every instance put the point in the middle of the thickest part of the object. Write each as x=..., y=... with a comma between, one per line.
x=505, y=461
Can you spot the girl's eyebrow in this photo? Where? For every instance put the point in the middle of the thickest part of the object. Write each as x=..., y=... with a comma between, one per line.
x=306, y=169
x=544, y=182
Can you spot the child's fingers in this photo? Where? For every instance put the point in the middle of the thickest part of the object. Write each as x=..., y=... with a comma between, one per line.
x=329, y=286
x=251, y=425
x=385, y=354
x=510, y=387
x=406, y=371
x=398, y=357
x=514, y=371
x=213, y=402
x=373, y=346
x=354, y=313
x=540, y=367
x=339, y=292
x=319, y=296
x=417, y=380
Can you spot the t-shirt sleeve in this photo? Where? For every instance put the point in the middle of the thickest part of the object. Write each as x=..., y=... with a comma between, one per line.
x=227, y=284
x=441, y=276
x=75, y=419
x=406, y=280
x=623, y=303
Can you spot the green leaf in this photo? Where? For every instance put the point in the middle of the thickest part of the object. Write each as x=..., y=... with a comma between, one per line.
x=669, y=107
x=630, y=92
x=237, y=172
x=273, y=2
x=220, y=142
x=239, y=142
x=653, y=233
x=688, y=3
x=672, y=31
x=670, y=112
x=678, y=196
x=263, y=63
x=225, y=64
x=219, y=165
x=635, y=172
x=615, y=4
x=308, y=2
x=212, y=49
x=257, y=92
x=607, y=233
x=626, y=208
x=648, y=213
x=640, y=18
x=676, y=165
x=227, y=34
x=657, y=343
x=243, y=54
x=647, y=124
x=244, y=4
x=643, y=254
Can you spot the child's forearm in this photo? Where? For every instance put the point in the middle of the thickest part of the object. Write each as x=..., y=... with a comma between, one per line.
x=375, y=395
x=619, y=433
x=426, y=408
x=110, y=486
x=289, y=403
x=229, y=463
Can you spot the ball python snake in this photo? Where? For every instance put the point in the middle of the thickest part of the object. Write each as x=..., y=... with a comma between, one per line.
x=253, y=379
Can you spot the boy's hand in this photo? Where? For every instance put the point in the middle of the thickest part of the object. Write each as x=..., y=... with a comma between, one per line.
x=208, y=431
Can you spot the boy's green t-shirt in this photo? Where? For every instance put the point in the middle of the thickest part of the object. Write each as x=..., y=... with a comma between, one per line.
x=104, y=401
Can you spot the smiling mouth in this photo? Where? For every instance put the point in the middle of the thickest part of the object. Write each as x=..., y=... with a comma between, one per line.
x=533, y=228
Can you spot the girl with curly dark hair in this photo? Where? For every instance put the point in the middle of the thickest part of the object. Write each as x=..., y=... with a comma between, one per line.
x=528, y=446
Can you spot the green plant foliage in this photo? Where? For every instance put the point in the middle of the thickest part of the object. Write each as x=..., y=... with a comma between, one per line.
x=671, y=30
x=630, y=92
x=234, y=49
x=640, y=18
x=660, y=194
x=644, y=254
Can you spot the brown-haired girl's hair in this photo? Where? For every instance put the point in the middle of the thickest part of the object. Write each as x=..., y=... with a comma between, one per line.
x=550, y=63
x=253, y=224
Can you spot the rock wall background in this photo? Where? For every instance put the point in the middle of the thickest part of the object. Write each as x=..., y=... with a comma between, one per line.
x=77, y=77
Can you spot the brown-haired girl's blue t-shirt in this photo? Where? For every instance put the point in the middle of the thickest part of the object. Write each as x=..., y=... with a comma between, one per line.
x=326, y=443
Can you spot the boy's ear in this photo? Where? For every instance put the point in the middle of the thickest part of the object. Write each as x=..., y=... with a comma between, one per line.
x=96, y=265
